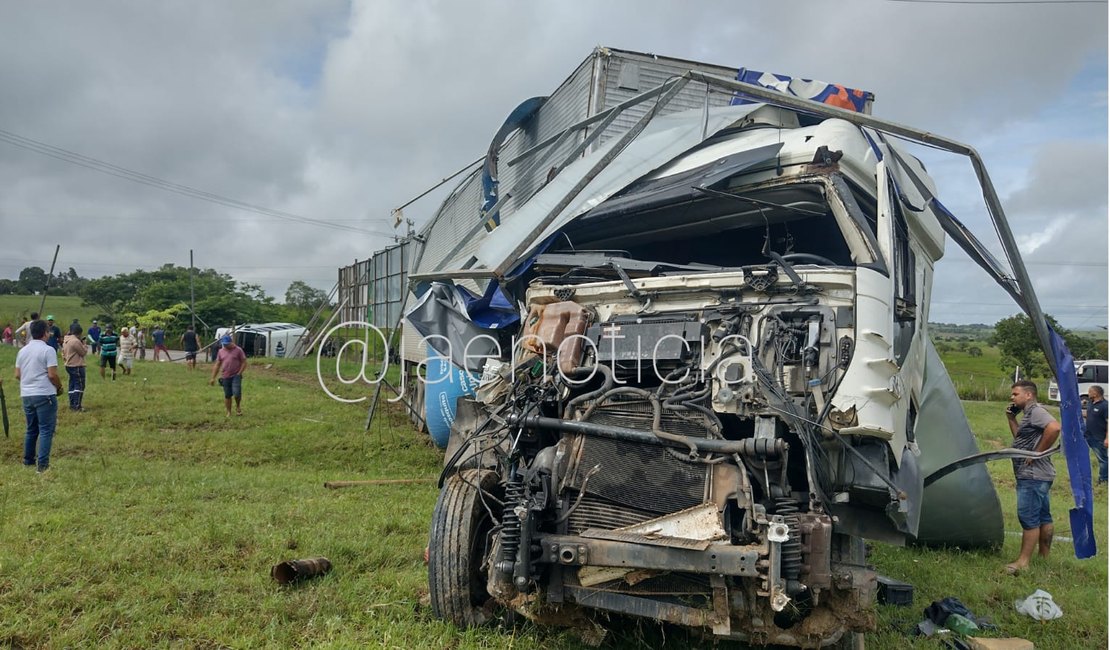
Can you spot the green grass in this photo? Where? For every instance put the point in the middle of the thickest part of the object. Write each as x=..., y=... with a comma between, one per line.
x=161, y=518
x=16, y=309
x=977, y=577
x=981, y=377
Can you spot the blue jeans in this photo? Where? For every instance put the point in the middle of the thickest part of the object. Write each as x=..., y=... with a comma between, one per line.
x=76, y=386
x=1032, y=503
x=41, y=412
x=1100, y=454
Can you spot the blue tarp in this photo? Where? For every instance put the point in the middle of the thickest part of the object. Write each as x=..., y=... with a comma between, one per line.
x=1076, y=451
x=514, y=121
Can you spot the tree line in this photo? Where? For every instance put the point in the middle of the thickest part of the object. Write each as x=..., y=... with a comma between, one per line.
x=162, y=296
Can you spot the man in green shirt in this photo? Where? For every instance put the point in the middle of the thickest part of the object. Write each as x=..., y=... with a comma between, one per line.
x=109, y=345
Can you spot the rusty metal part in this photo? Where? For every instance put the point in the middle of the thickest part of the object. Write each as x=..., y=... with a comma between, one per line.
x=643, y=607
x=816, y=533
x=292, y=570
x=723, y=559
x=622, y=433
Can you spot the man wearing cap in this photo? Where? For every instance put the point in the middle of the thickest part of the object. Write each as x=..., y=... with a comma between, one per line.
x=231, y=361
x=36, y=368
x=55, y=338
x=94, y=337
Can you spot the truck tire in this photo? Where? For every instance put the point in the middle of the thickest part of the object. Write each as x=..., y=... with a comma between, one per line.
x=461, y=527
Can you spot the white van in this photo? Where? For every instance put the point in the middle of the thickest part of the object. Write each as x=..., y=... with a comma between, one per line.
x=1092, y=372
x=265, y=339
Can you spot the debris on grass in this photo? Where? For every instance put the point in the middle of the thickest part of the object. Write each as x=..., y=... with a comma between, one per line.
x=292, y=570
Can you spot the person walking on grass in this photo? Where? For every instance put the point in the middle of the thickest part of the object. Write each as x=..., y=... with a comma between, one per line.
x=74, y=351
x=159, y=337
x=8, y=337
x=125, y=358
x=23, y=332
x=36, y=368
x=190, y=342
x=140, y=343
x=231, y=361
x=1035, y=431
x=54, y=339
x=94, y=337
x=108, y=347
x=1095, y=430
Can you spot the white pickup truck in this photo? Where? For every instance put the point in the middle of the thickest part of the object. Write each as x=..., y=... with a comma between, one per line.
x=1092, y=372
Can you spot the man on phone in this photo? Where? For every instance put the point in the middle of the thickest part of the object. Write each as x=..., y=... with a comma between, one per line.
x=1033, y=429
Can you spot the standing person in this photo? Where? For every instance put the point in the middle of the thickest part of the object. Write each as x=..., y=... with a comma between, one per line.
x=108, y=343
x=94, y=337
x=1095, y=431
x=74, y=351
x=36, y=368
x=141, y=340
x=232, y=361
x=8, y=337
x=159, y=336
x=190, y=342
x=55, y=338
x=23, y=332
x=1036, y=431
x=126, y=354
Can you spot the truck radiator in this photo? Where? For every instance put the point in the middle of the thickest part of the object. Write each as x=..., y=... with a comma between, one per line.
x=640, y=479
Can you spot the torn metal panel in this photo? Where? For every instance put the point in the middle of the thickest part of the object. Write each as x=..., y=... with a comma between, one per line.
x=943, y=435
x=662, y=140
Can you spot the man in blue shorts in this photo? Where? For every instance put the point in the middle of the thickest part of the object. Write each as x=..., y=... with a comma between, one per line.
x=1033, y=429
x=232, y=361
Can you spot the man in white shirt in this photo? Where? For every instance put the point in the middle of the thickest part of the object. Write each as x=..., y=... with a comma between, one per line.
x=36, y=368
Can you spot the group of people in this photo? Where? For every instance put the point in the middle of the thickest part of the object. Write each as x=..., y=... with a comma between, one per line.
x=40, y=385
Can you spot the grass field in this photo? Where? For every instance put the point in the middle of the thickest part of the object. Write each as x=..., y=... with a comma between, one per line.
x=14, y=309
x=160, y=519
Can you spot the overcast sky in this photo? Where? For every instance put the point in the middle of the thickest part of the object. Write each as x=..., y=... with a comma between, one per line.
x=340, y=111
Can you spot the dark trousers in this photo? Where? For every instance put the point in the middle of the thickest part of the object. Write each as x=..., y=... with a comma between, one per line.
x=76, y=386
x=1096, y=445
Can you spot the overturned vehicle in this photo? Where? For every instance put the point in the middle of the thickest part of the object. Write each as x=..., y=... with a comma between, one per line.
x=711, y=380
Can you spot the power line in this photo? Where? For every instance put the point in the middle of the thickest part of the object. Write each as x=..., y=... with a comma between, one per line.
x=1003, y=2
x=110, y=169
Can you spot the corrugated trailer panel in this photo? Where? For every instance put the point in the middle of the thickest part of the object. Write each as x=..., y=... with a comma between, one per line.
x=567, y=105
x=627, y=74
x=458, y=215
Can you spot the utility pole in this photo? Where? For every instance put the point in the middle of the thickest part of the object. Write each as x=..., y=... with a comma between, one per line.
x=192, y=295
x=42, y=303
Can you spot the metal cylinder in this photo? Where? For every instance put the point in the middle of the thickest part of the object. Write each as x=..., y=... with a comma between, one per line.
x=292, y=570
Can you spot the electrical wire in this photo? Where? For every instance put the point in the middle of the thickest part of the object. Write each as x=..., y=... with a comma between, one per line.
x=110, y=169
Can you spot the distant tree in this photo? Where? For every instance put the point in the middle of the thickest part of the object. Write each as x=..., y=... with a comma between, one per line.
x=8, y=287
x=975, y=351
x=303, y=299
x=220, y=300
x=32, y=280
x=1017, y=340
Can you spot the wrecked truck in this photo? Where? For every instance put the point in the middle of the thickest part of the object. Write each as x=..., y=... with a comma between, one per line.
x=706, y=376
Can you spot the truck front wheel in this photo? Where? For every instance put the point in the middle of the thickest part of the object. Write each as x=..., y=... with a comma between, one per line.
x=459, y=545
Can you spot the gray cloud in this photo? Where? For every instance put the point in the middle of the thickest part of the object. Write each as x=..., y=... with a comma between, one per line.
x=341, y=112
